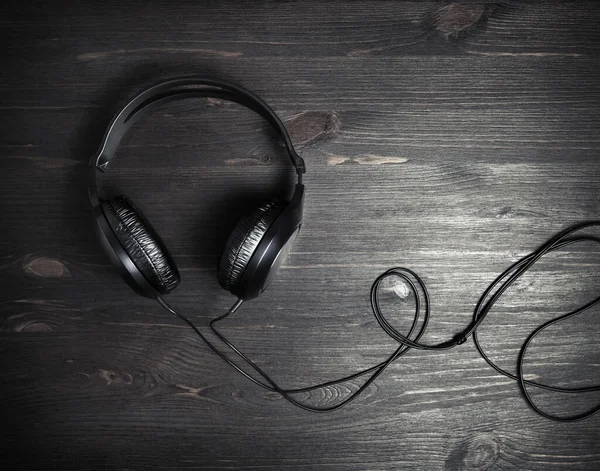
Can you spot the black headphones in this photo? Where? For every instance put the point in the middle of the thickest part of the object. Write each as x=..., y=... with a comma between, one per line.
x=258, y=245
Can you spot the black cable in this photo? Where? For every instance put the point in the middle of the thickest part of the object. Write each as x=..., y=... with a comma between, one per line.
x=418, y=288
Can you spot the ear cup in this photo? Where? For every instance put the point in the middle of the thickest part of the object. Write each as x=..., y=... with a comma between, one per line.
x=142, y=243
x=243, y=242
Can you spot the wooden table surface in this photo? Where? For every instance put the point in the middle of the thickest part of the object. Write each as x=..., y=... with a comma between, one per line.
x=449, y=138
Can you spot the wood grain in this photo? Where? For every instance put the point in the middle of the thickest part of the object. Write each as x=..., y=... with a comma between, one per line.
x=449, y=137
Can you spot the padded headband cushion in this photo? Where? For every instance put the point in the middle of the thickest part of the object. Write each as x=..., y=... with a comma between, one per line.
x=142, y=243
x=243, y=242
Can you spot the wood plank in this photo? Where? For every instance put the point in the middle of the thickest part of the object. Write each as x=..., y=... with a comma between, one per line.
x=224, y=31
x=407, y=84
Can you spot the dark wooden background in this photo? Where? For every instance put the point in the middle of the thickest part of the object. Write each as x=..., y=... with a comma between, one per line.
x=449, y=138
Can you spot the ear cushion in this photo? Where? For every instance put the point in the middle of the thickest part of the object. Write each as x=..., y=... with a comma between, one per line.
x=243, y=242
x=142, y=243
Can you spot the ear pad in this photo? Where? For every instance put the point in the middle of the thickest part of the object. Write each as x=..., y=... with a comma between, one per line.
x=243, y=242
x=141, y=242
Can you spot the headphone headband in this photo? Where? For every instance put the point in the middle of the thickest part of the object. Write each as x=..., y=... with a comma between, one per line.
x=179, y=88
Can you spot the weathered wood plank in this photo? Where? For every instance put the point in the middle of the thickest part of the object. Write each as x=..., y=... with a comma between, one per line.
x=226, y=31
